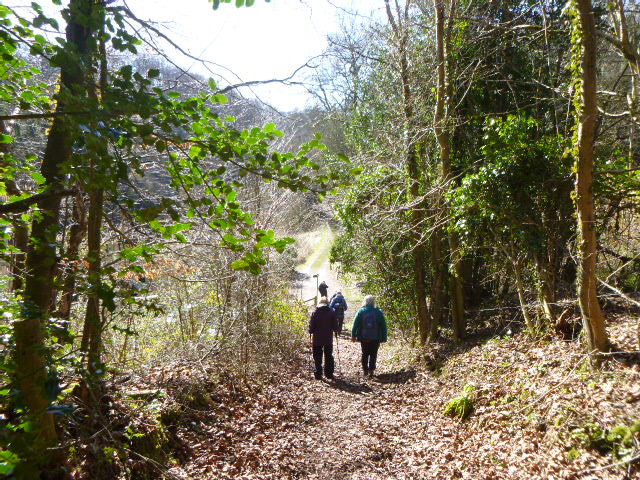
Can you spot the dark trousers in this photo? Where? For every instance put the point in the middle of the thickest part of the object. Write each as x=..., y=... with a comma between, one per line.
x=340, y=322
x=318, y=351
x=369, y=354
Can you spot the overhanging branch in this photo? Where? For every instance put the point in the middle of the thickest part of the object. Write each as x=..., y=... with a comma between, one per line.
x=23, y=205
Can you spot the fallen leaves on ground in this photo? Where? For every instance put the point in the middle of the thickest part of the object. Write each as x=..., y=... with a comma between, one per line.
x=531, y=398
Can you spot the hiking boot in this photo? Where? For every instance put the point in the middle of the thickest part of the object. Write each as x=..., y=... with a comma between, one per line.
x=371, y=375
x=318, y=376
x=365, y=373
x=330, y=377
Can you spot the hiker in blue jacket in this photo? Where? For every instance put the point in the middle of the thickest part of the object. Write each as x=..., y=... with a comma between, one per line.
x=370, y=329
x=339, y=305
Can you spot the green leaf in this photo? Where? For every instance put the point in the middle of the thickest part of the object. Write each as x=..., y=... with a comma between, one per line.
x=144, y=130
x=195, y=151
x=5, y=138
x=240, y=265
x=38, y=178
x=156, y=225
x=8, y=461
x=230, y=238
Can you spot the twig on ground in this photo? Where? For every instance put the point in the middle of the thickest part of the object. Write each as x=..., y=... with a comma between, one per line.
x=611, y=465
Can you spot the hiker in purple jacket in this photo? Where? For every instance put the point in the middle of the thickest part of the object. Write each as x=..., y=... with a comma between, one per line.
x=322, y=326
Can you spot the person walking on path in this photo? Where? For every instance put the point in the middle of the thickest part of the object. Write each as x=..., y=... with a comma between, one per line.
x=339, y=305
x=370, y=329
x=323, y=289
x=322, y=326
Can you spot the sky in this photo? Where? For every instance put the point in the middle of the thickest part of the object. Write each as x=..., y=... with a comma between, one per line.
x=264, y=41
x=269, y=40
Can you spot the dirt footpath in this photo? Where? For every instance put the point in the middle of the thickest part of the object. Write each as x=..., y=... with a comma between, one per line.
x=354, y=428
x=393, y=426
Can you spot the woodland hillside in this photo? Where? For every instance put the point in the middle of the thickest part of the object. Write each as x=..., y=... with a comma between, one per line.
x=474, y=166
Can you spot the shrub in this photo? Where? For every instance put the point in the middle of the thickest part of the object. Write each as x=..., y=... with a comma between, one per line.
x=462, y=406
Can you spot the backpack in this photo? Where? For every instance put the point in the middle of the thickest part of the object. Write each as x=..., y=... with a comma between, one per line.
x=370, y=324
x=338, y=305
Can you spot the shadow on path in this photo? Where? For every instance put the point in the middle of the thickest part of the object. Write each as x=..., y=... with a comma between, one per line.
x=350, y=387
x=399, y=377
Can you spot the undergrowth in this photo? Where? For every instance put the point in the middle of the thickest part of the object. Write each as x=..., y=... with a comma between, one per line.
x=462, y=406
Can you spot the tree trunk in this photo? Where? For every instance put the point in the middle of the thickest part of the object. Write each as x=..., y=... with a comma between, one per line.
x=413, y=169
x=517, y=270
x=440, y=122
x=546, y=293
x=592, y=318
x=457, y=290
x=91, y=334
x=437, y=284
x=20, y=238
x=93, y=325
x=30, y=352
x=76, y=235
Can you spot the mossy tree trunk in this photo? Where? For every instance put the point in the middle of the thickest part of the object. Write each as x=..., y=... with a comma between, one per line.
x=31, y=352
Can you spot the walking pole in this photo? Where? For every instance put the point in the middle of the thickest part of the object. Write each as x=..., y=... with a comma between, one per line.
x=338, y=351
x=310, y=351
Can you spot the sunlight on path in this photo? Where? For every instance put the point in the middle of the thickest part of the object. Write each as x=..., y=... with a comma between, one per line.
x=320, y=254
x=354, y=427
x=317, y=263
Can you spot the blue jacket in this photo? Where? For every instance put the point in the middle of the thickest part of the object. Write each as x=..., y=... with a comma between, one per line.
x=356, y=331
x=335, y=301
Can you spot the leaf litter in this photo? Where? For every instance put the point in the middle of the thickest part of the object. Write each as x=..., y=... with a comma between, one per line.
x=531, y=397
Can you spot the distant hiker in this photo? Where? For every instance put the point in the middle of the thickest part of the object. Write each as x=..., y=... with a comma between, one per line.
x=322, y=288
x=370, y=329
x=323, y=325
x=339, y=305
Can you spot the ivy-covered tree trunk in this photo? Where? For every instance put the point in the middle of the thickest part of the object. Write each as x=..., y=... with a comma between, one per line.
x=584, y=38
x=30, y=353
x=440, y=122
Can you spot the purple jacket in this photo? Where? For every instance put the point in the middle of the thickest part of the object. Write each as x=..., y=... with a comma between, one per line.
x=322, y=325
